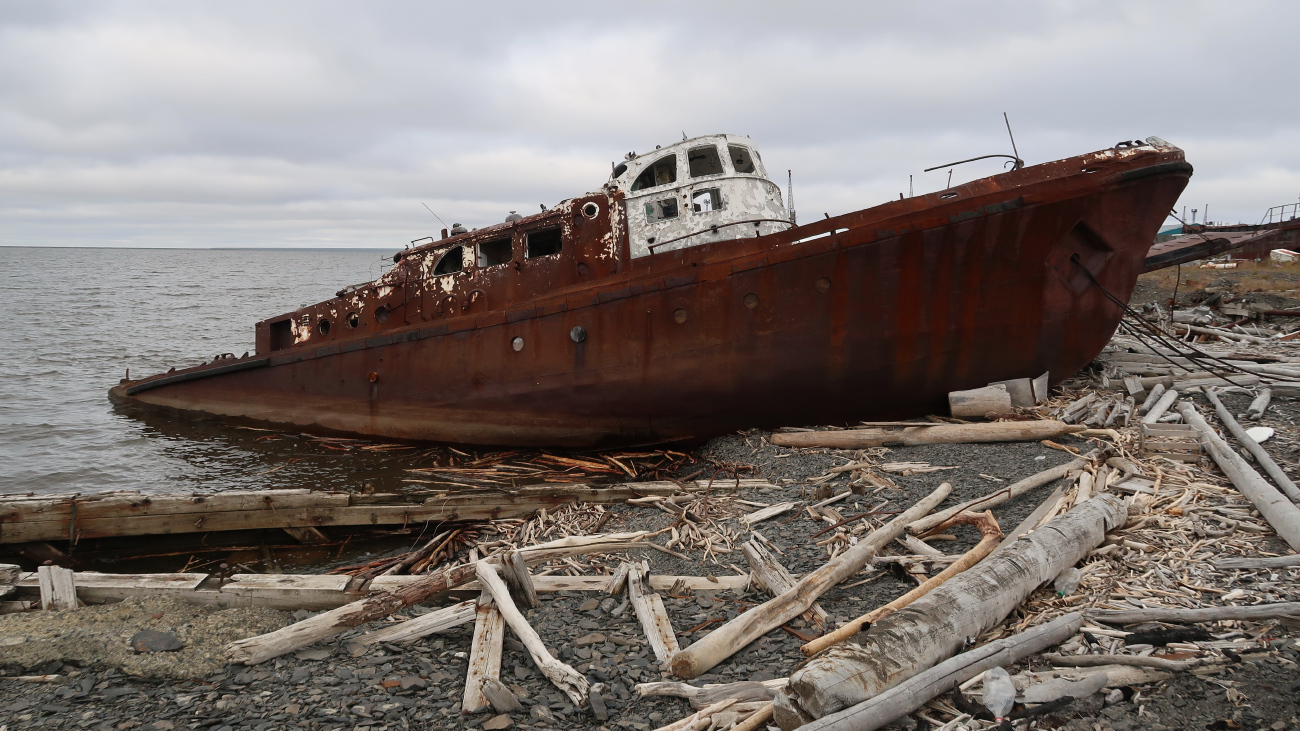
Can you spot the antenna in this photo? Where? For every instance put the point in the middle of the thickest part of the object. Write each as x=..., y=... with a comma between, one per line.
x=430, y=210
x=909, y=187
x=789, y=188
x=1014, y=151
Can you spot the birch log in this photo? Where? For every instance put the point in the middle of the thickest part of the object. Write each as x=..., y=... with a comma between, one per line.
x=989, y=536
x=1280, y=513
x=935, y=626
x=1014, y=490
x=998, y=431
x=568, y=680
x=376, y=606
x=911, y=694
x=1258, y=452
x=733, y=636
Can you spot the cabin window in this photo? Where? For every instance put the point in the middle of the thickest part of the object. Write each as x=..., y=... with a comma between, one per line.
x=704, y=161
x=495, y=253
x=662, y=172
x=281, y=334
x=451, y=262
x=703, y=201
x=546, y=242
x=661, y=210
x=741, y=159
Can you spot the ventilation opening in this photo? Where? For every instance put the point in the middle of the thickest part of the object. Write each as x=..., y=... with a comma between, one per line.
x=494, y=253
x=546, y=242
x=281, y=334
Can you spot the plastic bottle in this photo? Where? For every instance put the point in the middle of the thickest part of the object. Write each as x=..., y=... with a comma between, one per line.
x=1067, y=582
x=999, y=692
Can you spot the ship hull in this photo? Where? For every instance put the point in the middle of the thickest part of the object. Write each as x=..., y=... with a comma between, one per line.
x=879, y=317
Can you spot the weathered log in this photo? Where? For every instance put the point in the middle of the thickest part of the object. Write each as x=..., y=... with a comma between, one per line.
x=1204, y=614
x=744, y=691
x=1036, y=518
x=1257, y=451
x=1014, y=490
x=569, y=681
x=773, y=577
x=936, y=625
x=1160, y=407
x=515, y=573
x=1157, y=391
x=1272, y=562
x=914, y=692
x=328, y=624
x=980, y=402
x=689, y=723
x=439, y=620
x=57, y=588
x=989, y=536
x=9, y=573
x=756, y=720
x=1159, y=663
x=733, y=636
x=484, y=654
x=651, y=613
x=1280, y=513
x=998, y=431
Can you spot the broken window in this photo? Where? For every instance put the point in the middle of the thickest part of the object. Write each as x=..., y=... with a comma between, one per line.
x=662, y=172
x=546, y=242
x=704, y=161
x=451, y=262
x=709, y=199
x=495, y=253
x=661, y=210
x=741, y=159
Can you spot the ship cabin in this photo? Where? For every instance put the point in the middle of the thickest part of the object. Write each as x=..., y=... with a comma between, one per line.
x=698, y=191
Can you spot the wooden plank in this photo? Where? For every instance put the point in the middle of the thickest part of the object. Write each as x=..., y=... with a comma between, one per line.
x=484, y=654
x=439, y=620
x=650, y=611
x=57, y=589
x=109, y=505
x=95, y=588
x=758, y=516
x=551, y=584
x=311, y=586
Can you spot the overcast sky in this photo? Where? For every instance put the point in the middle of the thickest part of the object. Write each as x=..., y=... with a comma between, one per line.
x=306, y=124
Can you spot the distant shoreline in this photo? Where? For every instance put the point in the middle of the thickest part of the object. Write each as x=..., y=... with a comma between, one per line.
x=208, y=248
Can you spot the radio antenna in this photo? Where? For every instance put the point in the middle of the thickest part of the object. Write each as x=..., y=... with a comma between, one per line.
x=1014, y=151
x=430, y=210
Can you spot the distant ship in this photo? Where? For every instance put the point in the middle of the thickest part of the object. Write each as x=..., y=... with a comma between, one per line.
x=680, y=301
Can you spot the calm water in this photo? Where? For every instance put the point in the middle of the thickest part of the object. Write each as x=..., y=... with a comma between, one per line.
x=76, y=319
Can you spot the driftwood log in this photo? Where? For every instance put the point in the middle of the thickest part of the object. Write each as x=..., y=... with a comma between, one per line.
x=989, y=536
x=484, y=654
x=1280, y=513
x=336, y=621
x=439, y=620
x=744, y=691
x=979, y=402
x=1204, y=614
x=774, y=578
x=1272, y=562
x=1014, y=490
x=912, y=693
x=1257, y=451
x=999, y=431
x=935, y=626
x=733, y=636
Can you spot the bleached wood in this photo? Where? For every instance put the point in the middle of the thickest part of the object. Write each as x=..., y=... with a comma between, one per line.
x=710, y=693
x=618, y=581
x=758, y=516
x=935, y=626
x=769, y=574
x=989, y=536
x=1260, y=404
x=9, y=573
x=979, y=402
x=484, y=654
x=1261, y=455
x=1156, y=393
x=1273, y=562
x=651, y=613
x=905, y=697
x=439, y=620
x=1204, y=614
x=1280, y=513
x=1015, y=489
x=516, y=576
x=756, y=720
x=1034, y=519
x=328, y=624
x=732, y=636
x=1000, y=431
x=569, y=681
x=691, y=721
x=57, y=589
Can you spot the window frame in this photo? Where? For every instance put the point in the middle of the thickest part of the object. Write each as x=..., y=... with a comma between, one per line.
x=559, y=229
x=690, y=171
x=478, y=252
x=650, y=169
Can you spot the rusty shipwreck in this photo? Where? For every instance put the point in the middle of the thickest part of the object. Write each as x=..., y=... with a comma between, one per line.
x=679, y=301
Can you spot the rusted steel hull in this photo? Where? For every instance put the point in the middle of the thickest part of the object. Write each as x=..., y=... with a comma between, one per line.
x=879, y=318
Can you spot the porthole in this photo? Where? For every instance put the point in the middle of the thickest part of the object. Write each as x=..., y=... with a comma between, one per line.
x=578, y=334
x=381, y=314
x=353, y=319
x=517, y=344
x=590, y=210
x=679, y=315
x=822, y=284
x=324, y=327
x=751, y=300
